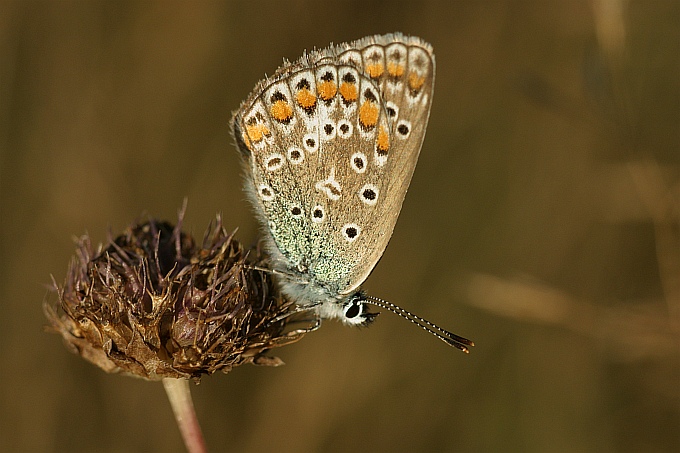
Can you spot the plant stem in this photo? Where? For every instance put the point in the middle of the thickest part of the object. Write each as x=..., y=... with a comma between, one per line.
x=183, y=407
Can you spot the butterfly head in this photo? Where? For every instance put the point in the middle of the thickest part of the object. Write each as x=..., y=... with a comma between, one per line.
x=351, y=309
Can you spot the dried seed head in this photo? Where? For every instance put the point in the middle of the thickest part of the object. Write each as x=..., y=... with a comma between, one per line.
x=154, y=305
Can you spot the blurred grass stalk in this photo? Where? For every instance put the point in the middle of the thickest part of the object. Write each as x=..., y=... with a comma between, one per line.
x=632, y=332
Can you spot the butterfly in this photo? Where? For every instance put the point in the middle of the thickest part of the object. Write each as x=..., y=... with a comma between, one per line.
x=329, y=144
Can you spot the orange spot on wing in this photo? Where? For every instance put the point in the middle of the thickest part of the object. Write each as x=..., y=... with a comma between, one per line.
x=327, y=90
x=415, y=81
x=349, y=91
x=375, y=70
x=383, y=143
x=305, y=98
x=395, y=69
x=368, y=114
x=256, y=133
x=281, y=111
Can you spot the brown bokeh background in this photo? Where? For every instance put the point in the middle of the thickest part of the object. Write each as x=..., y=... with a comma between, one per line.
x=543, y=222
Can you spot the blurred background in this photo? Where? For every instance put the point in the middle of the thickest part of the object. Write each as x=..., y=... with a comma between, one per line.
x=543, y=222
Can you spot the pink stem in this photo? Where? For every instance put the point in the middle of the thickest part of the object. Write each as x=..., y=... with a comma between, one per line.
x=183, y=407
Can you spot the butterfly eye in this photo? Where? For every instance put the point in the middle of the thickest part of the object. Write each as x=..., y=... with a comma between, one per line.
x=353, y=309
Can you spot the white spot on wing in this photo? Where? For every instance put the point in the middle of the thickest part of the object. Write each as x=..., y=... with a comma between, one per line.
x=330, y=186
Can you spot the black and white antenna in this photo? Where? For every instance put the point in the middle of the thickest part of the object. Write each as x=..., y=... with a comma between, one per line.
x=447, y=337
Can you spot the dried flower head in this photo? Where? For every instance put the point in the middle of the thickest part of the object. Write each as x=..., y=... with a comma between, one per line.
x=153, y=304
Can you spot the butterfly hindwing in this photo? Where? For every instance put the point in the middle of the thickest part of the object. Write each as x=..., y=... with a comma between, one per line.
x=330, y=143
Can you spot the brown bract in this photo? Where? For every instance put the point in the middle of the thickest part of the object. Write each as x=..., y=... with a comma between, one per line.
x=153, y=304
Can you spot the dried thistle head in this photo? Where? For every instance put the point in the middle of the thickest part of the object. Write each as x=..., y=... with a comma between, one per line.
x=153, y=304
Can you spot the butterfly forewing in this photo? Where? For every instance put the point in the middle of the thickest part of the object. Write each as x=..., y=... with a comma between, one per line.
x=403, y=71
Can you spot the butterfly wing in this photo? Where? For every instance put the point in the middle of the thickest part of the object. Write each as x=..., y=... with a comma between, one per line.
x=403, y=69
x=330, y=144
